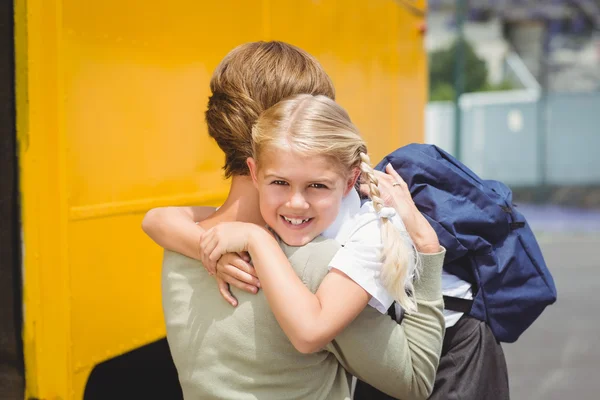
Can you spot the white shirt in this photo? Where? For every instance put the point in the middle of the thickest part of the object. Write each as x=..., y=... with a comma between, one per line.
x=358, y=230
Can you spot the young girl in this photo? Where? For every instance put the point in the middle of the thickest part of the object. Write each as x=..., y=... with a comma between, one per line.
x=307, y=158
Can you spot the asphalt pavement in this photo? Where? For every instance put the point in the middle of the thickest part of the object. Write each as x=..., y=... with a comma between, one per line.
x=558, y=357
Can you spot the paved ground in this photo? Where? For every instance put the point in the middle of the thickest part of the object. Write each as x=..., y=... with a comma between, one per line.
x=559, y=356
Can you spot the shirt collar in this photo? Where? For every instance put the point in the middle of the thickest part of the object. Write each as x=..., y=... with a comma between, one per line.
x=350, y=206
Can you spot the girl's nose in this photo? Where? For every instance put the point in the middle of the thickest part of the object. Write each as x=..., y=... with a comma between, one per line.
x=298, y=201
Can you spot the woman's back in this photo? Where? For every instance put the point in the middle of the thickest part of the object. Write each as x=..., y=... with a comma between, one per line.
x=242, y=353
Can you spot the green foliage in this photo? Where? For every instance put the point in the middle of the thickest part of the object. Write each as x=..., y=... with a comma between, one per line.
x=441, y=73
x=504, y=85
x=442, y=92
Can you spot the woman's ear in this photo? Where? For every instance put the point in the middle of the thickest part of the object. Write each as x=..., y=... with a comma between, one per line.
x=251, y=162
x=352, y=180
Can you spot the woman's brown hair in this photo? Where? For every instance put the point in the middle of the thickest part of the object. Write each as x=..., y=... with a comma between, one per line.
x=249, y=80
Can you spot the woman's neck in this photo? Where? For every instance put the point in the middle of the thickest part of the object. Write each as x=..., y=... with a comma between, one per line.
x=241, y=203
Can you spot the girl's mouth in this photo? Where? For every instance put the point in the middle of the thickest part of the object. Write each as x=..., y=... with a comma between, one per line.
x=296, y=222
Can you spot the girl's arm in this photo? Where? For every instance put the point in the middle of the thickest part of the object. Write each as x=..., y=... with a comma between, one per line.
x=395, y=193
x=309, y=320
x=175, y=229
x=398, y=359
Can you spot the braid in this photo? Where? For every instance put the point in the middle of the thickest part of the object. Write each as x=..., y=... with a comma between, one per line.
x=398, y=261
x=367, y=170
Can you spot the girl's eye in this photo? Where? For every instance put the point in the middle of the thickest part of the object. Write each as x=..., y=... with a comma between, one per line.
x=318, y=186
x=278, y=182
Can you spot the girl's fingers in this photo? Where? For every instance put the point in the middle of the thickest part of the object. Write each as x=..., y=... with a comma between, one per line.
x=239, y=284
x=235, y=272
x=203, y=243
x=382, y=176
x=244, y=256
x=209, y=246
x=216, y=254
x=209, y=263
x=224, y=290
x=392, y=172
x=245, y=267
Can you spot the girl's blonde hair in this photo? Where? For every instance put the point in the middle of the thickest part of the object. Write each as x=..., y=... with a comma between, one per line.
x=317, y=126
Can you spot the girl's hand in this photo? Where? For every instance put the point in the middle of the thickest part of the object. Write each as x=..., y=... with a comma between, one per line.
x=226, y=237
x=234, y=270
x=395, y=193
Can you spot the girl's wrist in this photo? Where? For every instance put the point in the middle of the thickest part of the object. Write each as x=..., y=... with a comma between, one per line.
x=257, y=236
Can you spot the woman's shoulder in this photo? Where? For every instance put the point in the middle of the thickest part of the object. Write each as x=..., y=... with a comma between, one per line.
x=178, y=259
x=319, y=247
x=311, y=261
x=178, y=268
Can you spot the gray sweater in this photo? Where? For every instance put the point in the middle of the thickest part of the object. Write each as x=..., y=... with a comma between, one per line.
x=222, y=352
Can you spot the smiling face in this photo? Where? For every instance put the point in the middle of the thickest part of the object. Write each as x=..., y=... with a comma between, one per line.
x=300, y=196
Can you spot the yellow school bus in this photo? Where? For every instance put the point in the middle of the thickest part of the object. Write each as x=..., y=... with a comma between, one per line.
x=103, y=119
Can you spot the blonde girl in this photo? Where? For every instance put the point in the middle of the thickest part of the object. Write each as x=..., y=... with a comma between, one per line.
x=307, y=157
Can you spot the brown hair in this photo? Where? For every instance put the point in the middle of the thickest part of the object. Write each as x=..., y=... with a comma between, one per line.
x=249, y=80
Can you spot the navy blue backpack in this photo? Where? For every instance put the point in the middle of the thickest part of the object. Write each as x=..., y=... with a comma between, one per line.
x=488, y=242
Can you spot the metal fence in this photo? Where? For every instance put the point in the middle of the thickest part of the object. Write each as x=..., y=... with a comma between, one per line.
x=522, y=138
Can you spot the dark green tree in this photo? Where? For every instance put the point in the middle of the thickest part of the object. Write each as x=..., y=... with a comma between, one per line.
x=441, y=72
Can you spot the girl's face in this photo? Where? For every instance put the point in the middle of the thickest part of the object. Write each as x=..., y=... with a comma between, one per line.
x=299, y=196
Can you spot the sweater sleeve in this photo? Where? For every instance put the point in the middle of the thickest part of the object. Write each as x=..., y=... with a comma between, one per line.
x=398, y=359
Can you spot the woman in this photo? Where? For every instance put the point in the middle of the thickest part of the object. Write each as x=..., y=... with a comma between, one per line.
x=249, y=80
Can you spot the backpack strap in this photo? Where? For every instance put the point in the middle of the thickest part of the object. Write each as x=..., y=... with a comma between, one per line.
x=458, y=304
x=396, y=312
x=450, y=303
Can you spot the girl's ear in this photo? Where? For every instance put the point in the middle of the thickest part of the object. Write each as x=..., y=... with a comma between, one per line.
x=352, y=180
x=251, y=162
